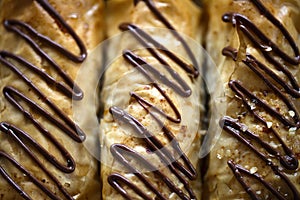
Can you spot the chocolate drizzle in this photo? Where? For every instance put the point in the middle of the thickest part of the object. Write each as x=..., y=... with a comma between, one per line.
x=239, y=170
x=288, y=161
x=143, y=37
x=240, y=131
x=121, y=151
x=18, y=99
x=10, y=93
x=140, y=64
x=150, y=4
x=157, y=147
x=25, y=31
x=19, y=136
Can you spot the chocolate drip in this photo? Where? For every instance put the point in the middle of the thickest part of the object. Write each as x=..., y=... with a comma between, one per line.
x=150, y=4
x=152, y=142
x=241, y=91
x=295, y=60
x=167, y=132
x=15, y=97
x=155, y=145
x=27, y=173
x=230, y=52
x=269, y=49
x=268, y=76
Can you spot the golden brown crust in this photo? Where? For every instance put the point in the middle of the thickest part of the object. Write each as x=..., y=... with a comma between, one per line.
x=85, y=17
x=184, y=16
x=220, y=180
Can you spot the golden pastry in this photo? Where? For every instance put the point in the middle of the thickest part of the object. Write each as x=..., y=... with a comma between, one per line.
x=42, y=46
x=151, y=94
x=257, y=154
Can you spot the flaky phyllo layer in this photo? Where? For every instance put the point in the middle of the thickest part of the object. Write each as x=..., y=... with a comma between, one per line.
x=132, y=117
x=150, y=127
x=42, y=45
x=256, y=157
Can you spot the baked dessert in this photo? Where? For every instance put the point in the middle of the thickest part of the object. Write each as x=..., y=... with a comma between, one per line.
x=150, y=135
x=257, y=154
x=43, y=44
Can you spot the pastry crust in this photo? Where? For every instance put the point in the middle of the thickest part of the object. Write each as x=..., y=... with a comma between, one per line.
x=122, y=78
x=232, y=162
x=85, y=18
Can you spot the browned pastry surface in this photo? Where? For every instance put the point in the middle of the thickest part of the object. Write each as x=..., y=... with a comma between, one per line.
x=37, y=72
x=131, y=96
x=257, y=154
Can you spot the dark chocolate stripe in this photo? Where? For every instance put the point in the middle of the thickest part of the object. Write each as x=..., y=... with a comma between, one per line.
x=245, y=94
x=240, y=91
x=119, y=151
x=267, y=48
x=115, y=180
x=25, y=31
x=25, y=140
x=9, y=179
x=241, y=132
x=144, y=68
x=64, y=27
x=70, y=128
x=268, y=76
x=152, y=142
x=135, y=62
x=290, y=162
x=239, y=170
x=145, y=39
x=150, y=4
x=270, y=50
x=264, y=11
x=155, y=145
x=17, y=99
x=19, y=136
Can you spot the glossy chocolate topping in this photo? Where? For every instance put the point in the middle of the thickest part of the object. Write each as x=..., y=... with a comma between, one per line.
x=19, y=99
x=285, y=90
x=156, y=78
x=182, y=88
x=120, y=152
x=288, y=161
x=150, y=4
